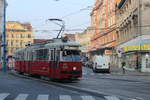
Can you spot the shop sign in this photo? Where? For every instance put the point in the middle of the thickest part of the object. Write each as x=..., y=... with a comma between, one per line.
x=136, y=47
x=108, y=52
x=145, y=47
x=131, y=48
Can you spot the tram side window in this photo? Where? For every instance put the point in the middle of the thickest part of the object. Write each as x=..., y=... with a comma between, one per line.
x=39, y=54
x=45, y=54
x=42, y=54
x=52, y=55
x=20, y=56
x=16, y=56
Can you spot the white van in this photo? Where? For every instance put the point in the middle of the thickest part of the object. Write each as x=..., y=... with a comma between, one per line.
x=101, y=63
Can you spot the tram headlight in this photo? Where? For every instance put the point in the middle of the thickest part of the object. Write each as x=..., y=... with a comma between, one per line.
x=74, y=68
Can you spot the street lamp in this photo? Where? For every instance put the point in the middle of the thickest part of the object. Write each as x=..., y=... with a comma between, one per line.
x=4, y=48
x=61, y=25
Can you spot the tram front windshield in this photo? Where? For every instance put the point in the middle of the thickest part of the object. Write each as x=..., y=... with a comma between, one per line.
x=71, y=55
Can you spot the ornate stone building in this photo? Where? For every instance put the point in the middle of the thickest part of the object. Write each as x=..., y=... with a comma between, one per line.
x=103, y=21
x=133, y=33
x=84, y=39
x=18, y=36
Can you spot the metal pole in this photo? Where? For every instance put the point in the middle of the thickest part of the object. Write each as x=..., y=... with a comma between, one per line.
x=62, y=29
x=62, y=26
x=4, y=48
x=139, y=34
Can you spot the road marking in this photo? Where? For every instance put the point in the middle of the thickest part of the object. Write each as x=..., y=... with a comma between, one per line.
x=42, y=97
x=111, y=98
x=87, y=98
x=3, y=95
x=65, y=97
x=22, y=97
x=139, y=98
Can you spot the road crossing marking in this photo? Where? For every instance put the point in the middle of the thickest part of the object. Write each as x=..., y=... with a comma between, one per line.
x=111, y=98
x=22, y=97
x=87, y=98
x=65, y=97
x=42, y=97
x=3, y=95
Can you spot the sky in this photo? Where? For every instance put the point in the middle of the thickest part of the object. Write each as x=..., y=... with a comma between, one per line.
x=75, y=13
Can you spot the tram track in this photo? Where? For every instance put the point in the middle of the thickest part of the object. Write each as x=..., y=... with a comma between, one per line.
x=70, y=87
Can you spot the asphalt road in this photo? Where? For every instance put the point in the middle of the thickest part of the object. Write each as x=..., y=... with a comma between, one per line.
x=16, y=88
x=124, y=86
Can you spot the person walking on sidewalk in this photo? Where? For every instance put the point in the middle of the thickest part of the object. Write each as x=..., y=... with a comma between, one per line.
x=123, y=67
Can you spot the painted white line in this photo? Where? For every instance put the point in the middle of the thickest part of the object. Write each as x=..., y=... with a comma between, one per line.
x=65, y=97
x=139, y=98
x=111, y=98
x=3, y=95
x=21, y=97
x=42, y=97
x=87, y=98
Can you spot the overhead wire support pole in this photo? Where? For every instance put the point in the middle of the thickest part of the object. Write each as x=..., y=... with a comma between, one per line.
x=4, y=45
x=62, y=26
x=62, y=29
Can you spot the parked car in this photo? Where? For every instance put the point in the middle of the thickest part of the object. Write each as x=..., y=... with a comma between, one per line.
x=101, y=64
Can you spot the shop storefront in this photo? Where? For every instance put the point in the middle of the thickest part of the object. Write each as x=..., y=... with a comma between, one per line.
x=137, y=55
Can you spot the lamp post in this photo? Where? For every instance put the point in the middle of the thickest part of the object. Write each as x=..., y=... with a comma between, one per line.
x=4, y=48
x=61, y=25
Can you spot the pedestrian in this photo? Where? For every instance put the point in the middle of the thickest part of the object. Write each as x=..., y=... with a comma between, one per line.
x=123, y=67
x=11, y=63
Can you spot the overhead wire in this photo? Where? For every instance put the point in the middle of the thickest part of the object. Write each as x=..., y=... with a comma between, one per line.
x=80, y=29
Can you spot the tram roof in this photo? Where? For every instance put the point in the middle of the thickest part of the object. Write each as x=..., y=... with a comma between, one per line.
x=51, y=43
x=18, y=50
x=59, y=42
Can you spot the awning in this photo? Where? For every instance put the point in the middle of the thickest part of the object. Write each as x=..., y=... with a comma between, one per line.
x=143, y=45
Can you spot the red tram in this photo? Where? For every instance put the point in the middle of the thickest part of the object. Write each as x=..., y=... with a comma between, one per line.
x=56, y=58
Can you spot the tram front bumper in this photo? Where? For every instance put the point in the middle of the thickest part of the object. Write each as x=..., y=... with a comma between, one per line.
x=71, y=74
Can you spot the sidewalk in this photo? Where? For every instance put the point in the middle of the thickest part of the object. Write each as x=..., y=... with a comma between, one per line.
x=129, y=72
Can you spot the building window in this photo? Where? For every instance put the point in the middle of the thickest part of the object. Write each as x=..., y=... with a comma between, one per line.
x=12, y=35
x=12, y=43
x=129, y=1
x=21, y=36
x=29, y=35
x=21, y=43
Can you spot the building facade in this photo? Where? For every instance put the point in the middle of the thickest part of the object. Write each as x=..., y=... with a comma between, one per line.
x=84, y=39
x=104, y=22
x=18, y=36
x=133, y=33
x=69, y=36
